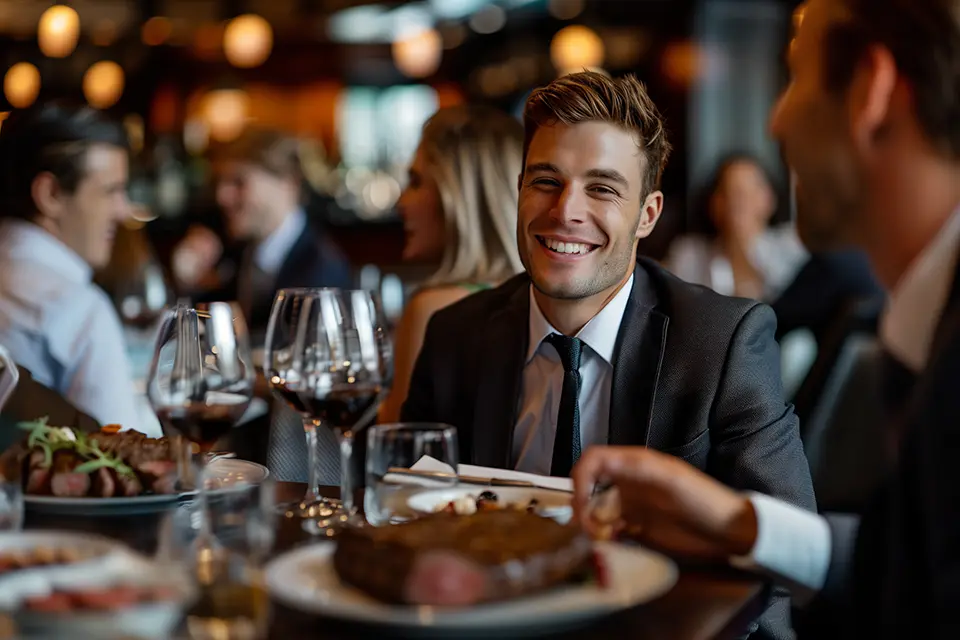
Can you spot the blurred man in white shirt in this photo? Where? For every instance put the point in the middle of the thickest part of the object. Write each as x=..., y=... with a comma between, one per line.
x=63, y=181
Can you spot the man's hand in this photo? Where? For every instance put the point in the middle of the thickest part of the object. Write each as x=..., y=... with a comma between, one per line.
x=665, y=503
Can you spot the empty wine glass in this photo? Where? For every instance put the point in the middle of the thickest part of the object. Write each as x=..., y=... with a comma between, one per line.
x=201, y=383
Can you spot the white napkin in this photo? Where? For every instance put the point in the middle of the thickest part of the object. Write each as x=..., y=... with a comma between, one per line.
x=427, y=463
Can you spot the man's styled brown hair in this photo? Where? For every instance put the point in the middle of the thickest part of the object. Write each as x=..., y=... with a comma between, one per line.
x=924, y=38
x=273, y=151
x=594, y=97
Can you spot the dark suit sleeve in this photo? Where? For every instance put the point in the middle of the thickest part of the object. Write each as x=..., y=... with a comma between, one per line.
x=754, y=435
x=420, y=405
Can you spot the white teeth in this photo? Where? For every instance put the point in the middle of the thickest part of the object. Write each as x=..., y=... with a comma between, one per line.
x=566, y=247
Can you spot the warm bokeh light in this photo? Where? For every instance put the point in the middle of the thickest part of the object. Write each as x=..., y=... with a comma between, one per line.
x=21, y=85
x=419, y=54
x=575, y=48
x=58, y=31
x=3, y=116
x=104, y=33
x=248, y=41
x=156, y=31
x=684, y=62
x=225, y=111
x=565, y=9
x=103, y=84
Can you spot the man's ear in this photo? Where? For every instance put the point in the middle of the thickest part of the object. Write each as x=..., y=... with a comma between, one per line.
x=871, y=95
x=47, y=195
x=650, y=214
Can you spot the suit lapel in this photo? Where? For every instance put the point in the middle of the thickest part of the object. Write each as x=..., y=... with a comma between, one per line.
x=641, y=343
x=503, y=346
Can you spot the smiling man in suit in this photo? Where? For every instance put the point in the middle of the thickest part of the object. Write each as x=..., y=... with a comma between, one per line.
x=591, y=345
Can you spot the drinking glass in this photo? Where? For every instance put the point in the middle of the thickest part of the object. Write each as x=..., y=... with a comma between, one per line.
x=287, y=360
x=329, y=356
x=201, y=383
x=11, y=504
x=399, y=446
x=232, y=603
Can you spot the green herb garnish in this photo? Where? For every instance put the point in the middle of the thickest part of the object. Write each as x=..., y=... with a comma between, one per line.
x=50, y=439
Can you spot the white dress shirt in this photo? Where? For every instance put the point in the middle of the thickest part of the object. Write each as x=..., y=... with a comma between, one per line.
x=62, y=327
x=270, y=254
x=543, y=382
x=793, y=544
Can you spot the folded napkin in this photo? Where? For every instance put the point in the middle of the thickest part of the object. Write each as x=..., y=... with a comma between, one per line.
x=427, y=463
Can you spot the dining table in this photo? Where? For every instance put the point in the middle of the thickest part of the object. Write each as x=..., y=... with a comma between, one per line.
x=707, y=603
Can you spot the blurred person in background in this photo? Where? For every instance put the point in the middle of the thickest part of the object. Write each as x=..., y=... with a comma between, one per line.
x=741, y=255
x=260, y=190
x=459, y=209
x=63, y=183
x=869, y=125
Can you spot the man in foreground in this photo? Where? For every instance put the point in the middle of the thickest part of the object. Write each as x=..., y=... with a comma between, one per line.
x=869, y=125
x=591, y=346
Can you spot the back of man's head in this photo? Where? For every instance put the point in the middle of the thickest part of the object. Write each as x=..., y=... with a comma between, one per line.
x=924, y=38
x=50, y=138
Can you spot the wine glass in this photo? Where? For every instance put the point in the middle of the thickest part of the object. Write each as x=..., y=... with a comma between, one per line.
x=201, y=383
x=358, y=381
x=329, y=358
x=286, y=366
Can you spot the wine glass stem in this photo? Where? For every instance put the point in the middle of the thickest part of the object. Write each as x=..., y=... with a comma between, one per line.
x=345, y=439
x=205, y=534
x=310, y=427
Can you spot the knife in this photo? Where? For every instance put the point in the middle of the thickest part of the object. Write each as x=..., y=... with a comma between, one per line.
x=491, y=482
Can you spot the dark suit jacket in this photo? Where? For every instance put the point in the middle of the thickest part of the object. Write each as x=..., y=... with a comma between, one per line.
x=313, y=261
x=696, y=375
x=897, y=574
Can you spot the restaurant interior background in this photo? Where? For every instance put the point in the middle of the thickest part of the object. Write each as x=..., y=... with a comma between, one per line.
x=356, y=80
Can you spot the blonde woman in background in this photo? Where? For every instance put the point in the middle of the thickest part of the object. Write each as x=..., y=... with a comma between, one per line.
x=459, y=209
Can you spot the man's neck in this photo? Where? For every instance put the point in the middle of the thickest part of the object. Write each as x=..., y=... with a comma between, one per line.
x=569, y=316
x=272, y=224
x=923, y=202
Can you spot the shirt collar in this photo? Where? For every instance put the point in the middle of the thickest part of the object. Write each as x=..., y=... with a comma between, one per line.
x=600, y=334
x=913, y=311
x=25, y=241
x=270, y=254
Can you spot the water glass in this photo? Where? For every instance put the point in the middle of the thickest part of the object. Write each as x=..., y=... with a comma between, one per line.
x=233, y=602
x=400, y=446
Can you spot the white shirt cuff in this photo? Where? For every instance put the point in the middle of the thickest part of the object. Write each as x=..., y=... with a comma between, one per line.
x=793, y=546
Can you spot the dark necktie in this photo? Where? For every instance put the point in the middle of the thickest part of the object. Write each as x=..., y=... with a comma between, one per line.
x=566, y=443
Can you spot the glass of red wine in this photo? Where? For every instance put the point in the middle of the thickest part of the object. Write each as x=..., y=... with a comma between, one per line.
x=290, y=356
x=329, y=357
x=201, y=383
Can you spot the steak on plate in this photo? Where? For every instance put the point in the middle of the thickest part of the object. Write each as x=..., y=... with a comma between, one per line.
x=448, y=559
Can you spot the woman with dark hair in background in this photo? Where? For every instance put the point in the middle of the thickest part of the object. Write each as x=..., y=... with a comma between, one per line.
x=742, y=255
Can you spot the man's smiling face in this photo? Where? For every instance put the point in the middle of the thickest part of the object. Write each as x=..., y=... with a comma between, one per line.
x=581, y=208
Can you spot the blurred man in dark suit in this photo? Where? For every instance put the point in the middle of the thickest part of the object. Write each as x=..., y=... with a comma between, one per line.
x=260, y=190
x=869, y=125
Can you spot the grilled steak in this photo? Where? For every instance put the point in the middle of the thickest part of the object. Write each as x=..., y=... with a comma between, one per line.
x=447, y=559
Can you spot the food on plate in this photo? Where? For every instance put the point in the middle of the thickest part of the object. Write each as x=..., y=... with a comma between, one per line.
x=455, y=560
x=485, y=501
x=97, y=599
x=65, y=462
x=20, y=559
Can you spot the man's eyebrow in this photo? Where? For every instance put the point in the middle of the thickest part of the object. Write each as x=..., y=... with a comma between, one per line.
x=542, y=166
x=608, y=174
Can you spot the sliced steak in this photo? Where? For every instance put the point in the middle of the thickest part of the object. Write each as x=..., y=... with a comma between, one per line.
x=38, y=475
x=130, y=485
x=104, y=485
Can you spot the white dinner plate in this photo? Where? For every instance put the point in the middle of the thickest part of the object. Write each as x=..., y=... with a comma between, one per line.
x=106, y=562
x=304, y=579
x=222, y=474
x=551, y=504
